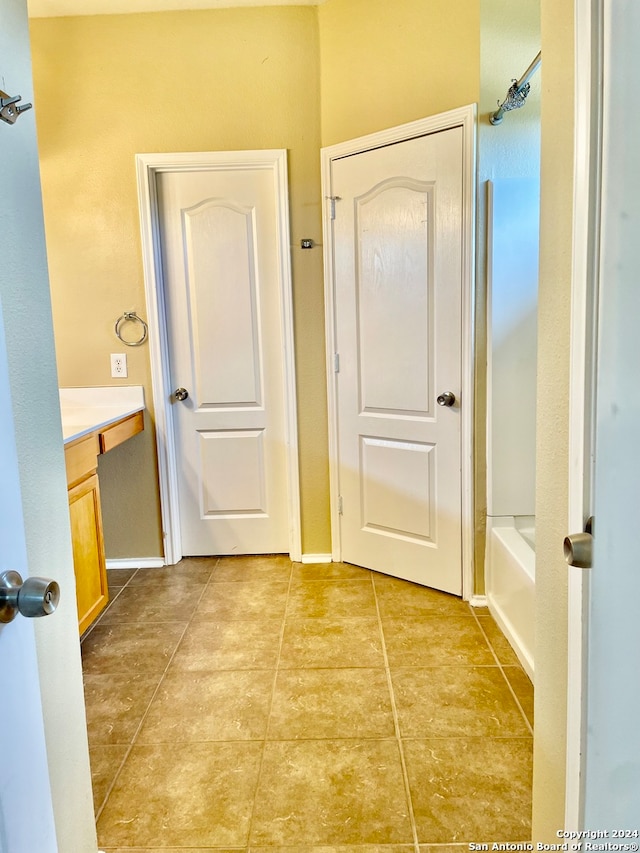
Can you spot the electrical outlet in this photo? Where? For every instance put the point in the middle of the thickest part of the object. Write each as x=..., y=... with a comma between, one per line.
x=119, y=365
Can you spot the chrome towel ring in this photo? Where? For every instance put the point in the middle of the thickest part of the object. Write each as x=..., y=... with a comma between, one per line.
x=131, y=317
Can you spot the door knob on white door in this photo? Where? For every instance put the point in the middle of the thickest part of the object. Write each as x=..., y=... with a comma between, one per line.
x=448, y=398
x=33, y=597
x=181, y=394
x=578, y=547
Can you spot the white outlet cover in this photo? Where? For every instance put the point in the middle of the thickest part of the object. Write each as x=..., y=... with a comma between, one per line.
x=119, y=365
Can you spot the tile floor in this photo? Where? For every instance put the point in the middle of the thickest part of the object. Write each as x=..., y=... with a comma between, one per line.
x=254, y=704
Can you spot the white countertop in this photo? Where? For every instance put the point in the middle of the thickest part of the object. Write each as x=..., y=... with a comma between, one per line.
x=87, y=409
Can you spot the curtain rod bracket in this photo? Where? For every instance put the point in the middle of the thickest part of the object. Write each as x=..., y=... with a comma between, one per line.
x=9, y=108
x=517, y=94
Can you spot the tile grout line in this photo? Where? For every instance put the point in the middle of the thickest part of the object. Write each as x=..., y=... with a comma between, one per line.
x=517, y=700
x=271, y=701
x=100, y=808
x=396, y=722
x=504, y=675
x=486, y=639
x=110, y=602
x=153, y=696
x=501, y=668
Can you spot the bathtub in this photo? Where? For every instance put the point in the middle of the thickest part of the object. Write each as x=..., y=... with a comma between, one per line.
x=510, y=582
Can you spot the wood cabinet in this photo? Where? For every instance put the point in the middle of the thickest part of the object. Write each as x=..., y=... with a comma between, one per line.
x=88, y=551
x=81, y=458
x=120, y=431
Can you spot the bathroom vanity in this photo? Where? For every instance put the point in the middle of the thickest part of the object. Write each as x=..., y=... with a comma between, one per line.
x=94, y=421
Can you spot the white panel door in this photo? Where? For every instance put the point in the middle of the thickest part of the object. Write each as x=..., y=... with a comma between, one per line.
x=221, y=274
x=398, y=296
x=26, y=812
x=603, y=736
x=611, y=758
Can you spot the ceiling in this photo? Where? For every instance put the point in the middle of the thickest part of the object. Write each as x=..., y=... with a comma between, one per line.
x=58, y=8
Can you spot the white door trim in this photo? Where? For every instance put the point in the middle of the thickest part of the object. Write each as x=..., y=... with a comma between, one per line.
x=464, y=117
x=584, y=291
x=147, y=167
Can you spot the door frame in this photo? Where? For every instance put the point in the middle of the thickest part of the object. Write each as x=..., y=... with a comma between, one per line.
x=584, y=318
x=464, y=117
x=148, y=166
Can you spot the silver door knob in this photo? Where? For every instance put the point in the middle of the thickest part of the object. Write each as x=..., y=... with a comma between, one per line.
x=181, y=394
x=34, y=597
x=446, y=399
x=578, y=547
x=578, y=550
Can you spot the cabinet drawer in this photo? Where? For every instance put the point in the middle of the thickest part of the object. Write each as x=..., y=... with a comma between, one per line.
x=81, y=458
x=113, y=435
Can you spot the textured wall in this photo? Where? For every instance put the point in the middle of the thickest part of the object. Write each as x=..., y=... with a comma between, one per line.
x=552, y=470
x=385, y=64
x=108, y=87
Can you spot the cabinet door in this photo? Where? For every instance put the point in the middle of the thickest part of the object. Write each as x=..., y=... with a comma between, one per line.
x=88, y=550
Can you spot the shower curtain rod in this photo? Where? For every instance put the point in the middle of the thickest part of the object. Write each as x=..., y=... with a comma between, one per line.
x=517, y=94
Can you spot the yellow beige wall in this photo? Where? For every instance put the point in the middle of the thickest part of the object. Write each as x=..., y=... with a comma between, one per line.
x=108, y=87
x=384, y=64
x=552, y=470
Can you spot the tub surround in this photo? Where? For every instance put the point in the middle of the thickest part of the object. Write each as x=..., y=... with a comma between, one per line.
x=514, y=207
x=94, y=420
x=511, y=566
x=512, y=258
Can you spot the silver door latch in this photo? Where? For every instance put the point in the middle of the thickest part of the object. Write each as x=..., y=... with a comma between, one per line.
x=447, y=398
x=578, y=547
x=10, y=109
x=34, y=597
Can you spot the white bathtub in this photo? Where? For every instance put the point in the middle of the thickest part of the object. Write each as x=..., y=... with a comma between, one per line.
x=510, y=582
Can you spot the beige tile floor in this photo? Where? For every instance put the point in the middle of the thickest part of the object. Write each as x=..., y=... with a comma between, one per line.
x=254, y=704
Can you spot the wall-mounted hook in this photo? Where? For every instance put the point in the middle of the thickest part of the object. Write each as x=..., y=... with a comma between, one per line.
x=9, y=108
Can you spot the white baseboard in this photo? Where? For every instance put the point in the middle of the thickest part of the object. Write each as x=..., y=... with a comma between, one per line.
x=479, y=601
x=317, y=558
x=136, y=563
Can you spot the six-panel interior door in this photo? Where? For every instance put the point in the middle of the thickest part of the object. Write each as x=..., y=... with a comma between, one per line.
x=221, y=273
x=398, y=296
